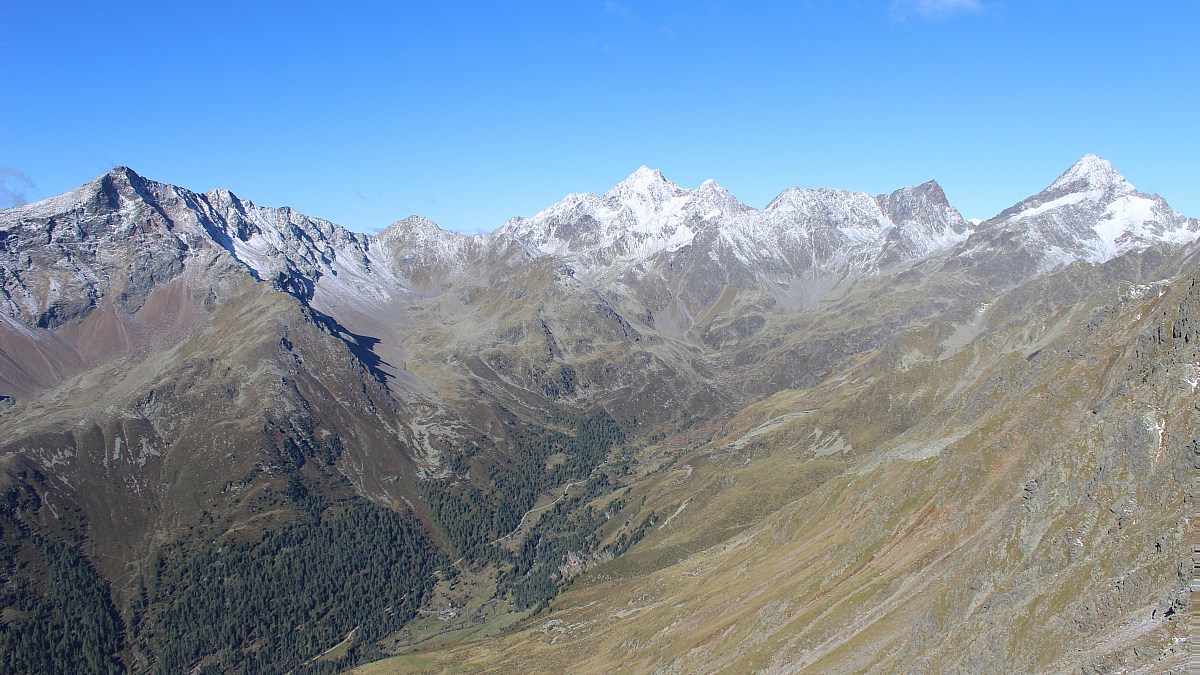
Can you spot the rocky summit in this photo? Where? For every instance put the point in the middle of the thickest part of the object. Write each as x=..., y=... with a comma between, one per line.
x=654, y=430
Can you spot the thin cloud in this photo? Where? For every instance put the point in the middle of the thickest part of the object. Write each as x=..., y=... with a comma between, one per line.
x=14, y=187
x=934, y=10
x=616, y=8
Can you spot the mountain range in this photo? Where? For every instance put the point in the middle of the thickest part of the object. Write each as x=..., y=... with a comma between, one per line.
x=650, y=430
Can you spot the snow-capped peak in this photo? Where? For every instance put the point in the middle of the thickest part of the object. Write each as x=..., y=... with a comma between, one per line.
x=116, y=188
x=647, y=183
x=710, y=200
x=1089, y=181
x=634, y=219
x=646, y=215
x=1091, y=173
x=711, y=189
x=805, y=200
x=1092, y=213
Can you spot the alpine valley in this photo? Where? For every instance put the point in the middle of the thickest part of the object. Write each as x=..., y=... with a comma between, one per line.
x=654, y=430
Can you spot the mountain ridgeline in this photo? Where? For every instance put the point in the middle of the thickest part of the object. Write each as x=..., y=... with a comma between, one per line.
x=654, y=429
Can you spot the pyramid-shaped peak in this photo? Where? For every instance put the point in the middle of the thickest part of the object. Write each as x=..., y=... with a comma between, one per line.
x=711, y=190
x=1093, y=161
x=931, y=186
x=123, y=173
x=1091, y=171
x=643, y=181
x=120, y=183
x=121, y=177
x=712, y=195
x=645, y=174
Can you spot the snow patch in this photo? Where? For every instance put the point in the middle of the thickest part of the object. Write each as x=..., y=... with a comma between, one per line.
x=1123, y=223
x=1192, y=376
x=1065, y=200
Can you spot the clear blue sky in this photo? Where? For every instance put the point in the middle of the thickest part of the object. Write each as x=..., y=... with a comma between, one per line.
x=469, y=113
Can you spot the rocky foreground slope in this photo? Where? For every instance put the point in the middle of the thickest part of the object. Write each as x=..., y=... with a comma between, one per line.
x=654, y=429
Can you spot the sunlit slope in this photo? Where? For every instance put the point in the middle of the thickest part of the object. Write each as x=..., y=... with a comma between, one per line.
x=1013, y=500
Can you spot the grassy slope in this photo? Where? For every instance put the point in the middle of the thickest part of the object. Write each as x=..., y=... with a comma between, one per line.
x=1044, y=531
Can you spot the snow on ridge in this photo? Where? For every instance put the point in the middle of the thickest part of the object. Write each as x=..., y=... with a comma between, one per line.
x=74, y=199
x=930, y=241
x=645, y=181
x=1132, y=221
x=423, y=238
x=1091, y=213
x=638, y=217
x=641, y=216
x=67, y=201
x=646, y=215
x=1095, y=172
x=841, y=205
x=1065, y=200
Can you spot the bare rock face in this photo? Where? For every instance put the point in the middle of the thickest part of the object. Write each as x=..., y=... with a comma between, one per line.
x=840, y=405
x=925, y=222
x=60, y=256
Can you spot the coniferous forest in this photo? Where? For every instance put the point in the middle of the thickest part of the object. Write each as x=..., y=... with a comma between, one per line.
x=283, y=599
x=329, y=569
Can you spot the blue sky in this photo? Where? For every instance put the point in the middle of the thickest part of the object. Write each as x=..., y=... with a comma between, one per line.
x=469, y=113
